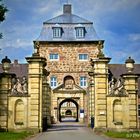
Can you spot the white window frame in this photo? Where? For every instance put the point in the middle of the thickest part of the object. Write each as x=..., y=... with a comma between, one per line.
x=80, y=32
x=53, y=56
x=82, y=58
x=53, y=81
x=57, y=32
x=83, y=81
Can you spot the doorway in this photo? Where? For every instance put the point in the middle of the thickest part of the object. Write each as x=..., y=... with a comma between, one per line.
x=68, y=110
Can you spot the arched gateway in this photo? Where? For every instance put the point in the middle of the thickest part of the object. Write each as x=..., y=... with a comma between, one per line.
x=68, y=97
x=69, y=109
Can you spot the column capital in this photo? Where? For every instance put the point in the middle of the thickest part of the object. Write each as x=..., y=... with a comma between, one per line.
x=130, y=75
x=35, y=59
x=104, y=59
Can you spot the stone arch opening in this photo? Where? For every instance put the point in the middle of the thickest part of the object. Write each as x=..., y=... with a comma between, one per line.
x=68, y=112
x=19, y=112
x=117, y=111
x=68, y=100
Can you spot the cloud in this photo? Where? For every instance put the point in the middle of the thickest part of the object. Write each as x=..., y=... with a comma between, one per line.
x=116, y=22
x=134, y=37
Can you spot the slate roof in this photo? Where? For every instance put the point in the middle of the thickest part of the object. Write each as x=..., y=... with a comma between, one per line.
x=67, y=18
x=68, y=22
x=19, y=69
x=118, y=69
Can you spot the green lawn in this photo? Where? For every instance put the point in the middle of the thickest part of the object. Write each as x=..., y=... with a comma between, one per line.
x=125, y=135
x=14, y=135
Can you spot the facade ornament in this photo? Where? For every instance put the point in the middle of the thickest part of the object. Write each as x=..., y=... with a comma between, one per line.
x=24, y=85
x=112, y=85
x=116, y=88
x=36, y=48
x=100, y=47
x=129, y=63
x=19, y=87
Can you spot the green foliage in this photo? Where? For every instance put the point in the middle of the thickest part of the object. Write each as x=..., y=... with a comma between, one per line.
x=126, y=135
x=14, y=135
x=3, y=10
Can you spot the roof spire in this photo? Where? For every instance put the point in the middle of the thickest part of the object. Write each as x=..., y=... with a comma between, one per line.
x=67, y=9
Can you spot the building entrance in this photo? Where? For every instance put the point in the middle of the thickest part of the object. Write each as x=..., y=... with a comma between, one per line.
x=68, y=108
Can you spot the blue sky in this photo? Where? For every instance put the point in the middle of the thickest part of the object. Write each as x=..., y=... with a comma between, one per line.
x=115, y=21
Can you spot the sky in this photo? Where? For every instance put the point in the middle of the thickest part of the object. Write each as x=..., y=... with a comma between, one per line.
x=115, y=21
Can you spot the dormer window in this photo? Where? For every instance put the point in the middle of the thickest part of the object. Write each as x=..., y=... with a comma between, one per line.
x=57, y=31
x=80, y=31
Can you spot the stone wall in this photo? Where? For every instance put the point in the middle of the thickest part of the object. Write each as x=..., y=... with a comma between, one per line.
x=68, y=63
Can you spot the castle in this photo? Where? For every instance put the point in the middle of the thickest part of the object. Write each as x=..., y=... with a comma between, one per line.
x=68, y=74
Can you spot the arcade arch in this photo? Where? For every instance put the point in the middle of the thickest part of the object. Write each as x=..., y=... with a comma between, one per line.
x=69, y=109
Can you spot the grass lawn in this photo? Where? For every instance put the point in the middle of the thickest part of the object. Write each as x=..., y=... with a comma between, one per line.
x=125, y=135
x=14, y=135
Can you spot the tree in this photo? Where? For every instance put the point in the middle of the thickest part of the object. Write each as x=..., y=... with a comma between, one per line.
x=3, y=10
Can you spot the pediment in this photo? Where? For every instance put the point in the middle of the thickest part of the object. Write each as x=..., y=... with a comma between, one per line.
x=73, y=88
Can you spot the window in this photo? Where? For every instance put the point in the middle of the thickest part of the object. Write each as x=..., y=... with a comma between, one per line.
x=80, y=32
x=54, y=56
x=83, y=57
x=83, y=81
x=57, y=32
x=53, y=81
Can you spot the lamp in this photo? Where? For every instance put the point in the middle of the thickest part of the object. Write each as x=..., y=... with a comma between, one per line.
x=129, y=63
x=6, y=64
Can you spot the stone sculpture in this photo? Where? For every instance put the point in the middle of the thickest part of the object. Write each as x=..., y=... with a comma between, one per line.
x=19, y=87
x=117, y=87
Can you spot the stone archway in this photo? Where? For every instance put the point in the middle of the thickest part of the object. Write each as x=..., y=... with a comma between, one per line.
x=68, y=112
x=68, y=100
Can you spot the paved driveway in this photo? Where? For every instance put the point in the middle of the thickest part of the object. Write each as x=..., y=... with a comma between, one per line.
x=68, y=131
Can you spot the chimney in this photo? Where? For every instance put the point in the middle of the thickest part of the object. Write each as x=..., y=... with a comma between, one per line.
x=67, y=9
x=15, y=62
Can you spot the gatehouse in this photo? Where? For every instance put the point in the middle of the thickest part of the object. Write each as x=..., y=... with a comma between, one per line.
x=68, y=75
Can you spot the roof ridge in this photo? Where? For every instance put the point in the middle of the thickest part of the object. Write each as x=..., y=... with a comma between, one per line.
x=65, y=18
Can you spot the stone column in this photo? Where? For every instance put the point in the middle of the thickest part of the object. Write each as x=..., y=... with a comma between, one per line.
x=131, y=86
x=5, y=88
x=101, y=90
x=35, y=84
x=46, y=101
x=91, y=96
